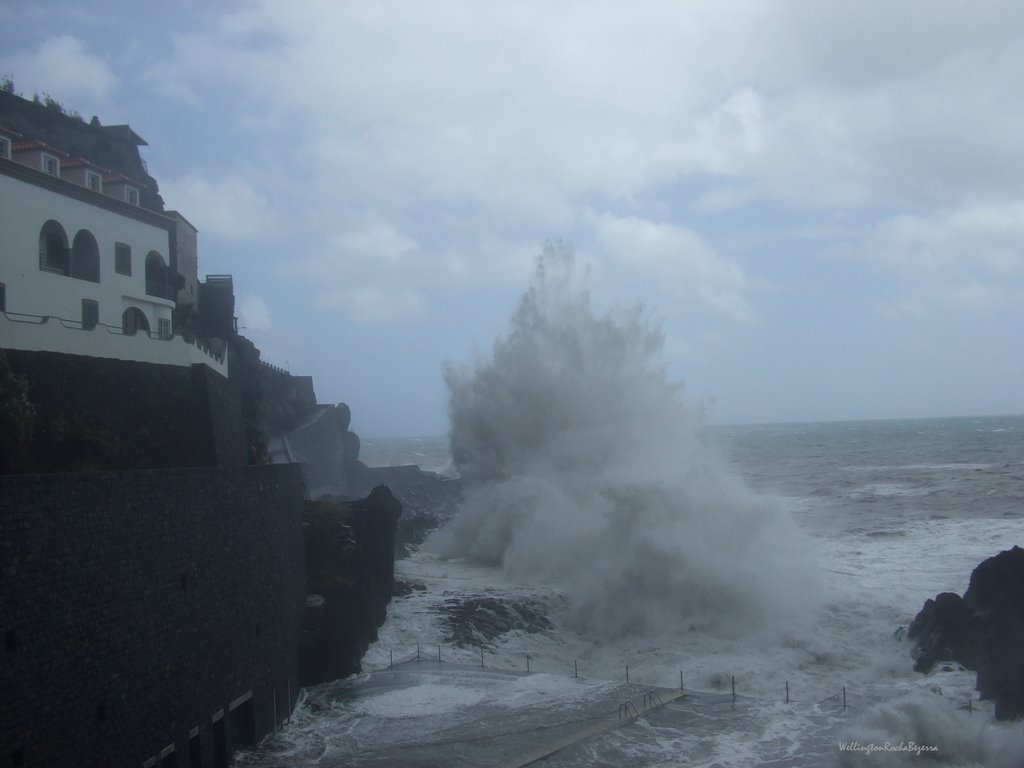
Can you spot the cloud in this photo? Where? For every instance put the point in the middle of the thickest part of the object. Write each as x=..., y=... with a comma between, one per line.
x=253, y=313
x=977, y=236
x=676, y=255
x=374, y=238
x=63, y=68
x=374, y=305
x=967, y=258
x=230, y=207
x=528, y=108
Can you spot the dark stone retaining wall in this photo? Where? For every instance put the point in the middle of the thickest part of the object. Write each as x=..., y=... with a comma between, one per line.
x=147, y=611
x=94, y=413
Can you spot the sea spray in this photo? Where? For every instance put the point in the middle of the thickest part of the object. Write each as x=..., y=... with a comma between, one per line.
x=583, y=467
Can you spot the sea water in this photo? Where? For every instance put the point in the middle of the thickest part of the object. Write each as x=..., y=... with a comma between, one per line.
x=778, y=561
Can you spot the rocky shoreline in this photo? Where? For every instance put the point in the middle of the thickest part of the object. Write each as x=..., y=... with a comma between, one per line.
x=983, y=630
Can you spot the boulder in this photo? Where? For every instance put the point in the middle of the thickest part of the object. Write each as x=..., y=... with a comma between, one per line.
x=984, y=631
x=939, y=631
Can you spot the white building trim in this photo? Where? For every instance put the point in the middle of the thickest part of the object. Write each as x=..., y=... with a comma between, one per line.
x=51, y=334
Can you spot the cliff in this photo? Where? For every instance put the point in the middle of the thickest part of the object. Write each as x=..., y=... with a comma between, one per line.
x=350, y=573
x=983, y=630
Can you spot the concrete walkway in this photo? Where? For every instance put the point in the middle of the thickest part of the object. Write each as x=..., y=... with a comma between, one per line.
x=664, y=696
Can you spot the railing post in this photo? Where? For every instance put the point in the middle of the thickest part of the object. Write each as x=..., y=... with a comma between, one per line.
x=391, y=653
x=787, y=691
x=627, y=673
x=734, y=690
x=481, y=657
x=575, y=668
x=844, y=697
x=439, y=654
x=527, y=663
x=680, y=679
x=417, y=651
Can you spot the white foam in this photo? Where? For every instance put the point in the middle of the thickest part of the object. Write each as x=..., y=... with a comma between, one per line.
x=419, y=701
x=925, y=725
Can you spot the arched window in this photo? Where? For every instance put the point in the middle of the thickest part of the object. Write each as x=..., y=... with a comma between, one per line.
x=156, y=276
x=53, y=248
x=85, y=257
x=134, y=320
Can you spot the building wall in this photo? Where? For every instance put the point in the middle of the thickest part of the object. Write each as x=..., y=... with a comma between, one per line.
x=24, y=209
x=52, y=335
x=186, y=258
x=139, y=608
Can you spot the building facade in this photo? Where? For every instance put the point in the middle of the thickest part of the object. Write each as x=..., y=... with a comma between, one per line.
x=85, y=267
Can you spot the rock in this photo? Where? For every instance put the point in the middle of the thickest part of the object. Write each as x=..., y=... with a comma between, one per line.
x=995, y=597
x=478, y=620
x=404, y=588
x=350, y=568
x=939, y=631
x=984, y=631
x=428, y=500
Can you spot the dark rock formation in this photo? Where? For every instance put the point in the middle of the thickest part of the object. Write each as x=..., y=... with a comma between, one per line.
x=984, y=631
x=478, y=620
x=939, y=631
x=428, y=500
x=404, y=588
x=350, y=575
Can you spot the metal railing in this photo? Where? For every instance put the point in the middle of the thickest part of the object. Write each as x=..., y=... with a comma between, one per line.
x=113, y=330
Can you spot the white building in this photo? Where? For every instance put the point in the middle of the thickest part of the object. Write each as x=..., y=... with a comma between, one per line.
x=83, y=268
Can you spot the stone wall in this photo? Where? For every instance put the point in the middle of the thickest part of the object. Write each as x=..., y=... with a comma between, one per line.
x=95, y=413
x=328, y=451
x=288, y=401
x=148, y=617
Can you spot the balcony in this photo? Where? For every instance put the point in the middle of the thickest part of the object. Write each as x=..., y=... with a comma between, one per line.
x=159, y=288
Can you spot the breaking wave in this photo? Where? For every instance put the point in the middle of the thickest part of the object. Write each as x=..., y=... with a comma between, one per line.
x=583, y=467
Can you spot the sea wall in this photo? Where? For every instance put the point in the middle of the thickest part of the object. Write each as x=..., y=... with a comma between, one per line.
x=149, y=617
x=96, y=413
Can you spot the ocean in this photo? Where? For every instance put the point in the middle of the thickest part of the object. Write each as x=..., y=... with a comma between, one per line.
x=612, y=551
x=895, y=511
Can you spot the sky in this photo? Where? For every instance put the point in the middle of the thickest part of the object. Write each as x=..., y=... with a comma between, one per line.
x=821, y=203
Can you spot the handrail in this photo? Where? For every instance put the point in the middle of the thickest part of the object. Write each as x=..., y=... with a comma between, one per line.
x=114, y=330
x=650, y=697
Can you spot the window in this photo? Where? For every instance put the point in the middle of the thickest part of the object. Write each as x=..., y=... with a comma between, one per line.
x=163, y=328
x=156, y=276
x=133, y=320
x=90, y=314
x=3, y=297
x=5, y=148
x=94, y=181
x=51, y=165
x=131, y=195
x=85, y=257
x=54, y=254
x=123, y=259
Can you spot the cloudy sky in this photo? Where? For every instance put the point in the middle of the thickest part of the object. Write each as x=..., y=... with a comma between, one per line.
x=822, y=203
